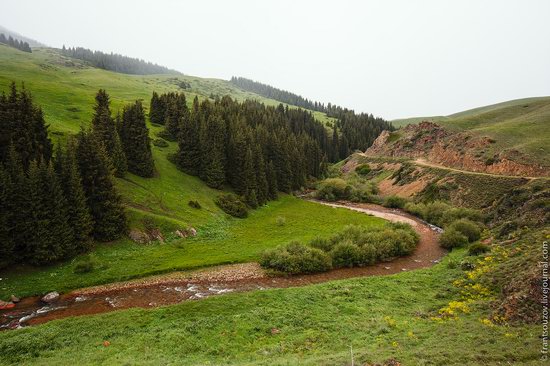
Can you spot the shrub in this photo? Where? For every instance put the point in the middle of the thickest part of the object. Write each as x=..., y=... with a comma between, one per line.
x=84, y=265
x=194, y=204
x=281, y=221
x=478, y=248
x=435, y=211
x=457, y=213
x=363, y=169
x=394, y=202
x=296, y=258
x=323, y=244
x=232, y=205
x=416, y=209
x=333, y=189
x=467, y=228
x=452, y=238
x=160, y=142
x=353, y=246
x=345, y=254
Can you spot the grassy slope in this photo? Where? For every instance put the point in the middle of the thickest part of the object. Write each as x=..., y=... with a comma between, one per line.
x=381, y=317
x=522, y=124
x=65, y=89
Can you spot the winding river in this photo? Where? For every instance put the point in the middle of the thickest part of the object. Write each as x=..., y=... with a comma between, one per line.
x=185, y=286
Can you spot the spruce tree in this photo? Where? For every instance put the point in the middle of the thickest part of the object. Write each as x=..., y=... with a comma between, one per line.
x=189, y=153
x=271, y=176
x=80, y=220
x=19, y=204
x=104, y=128
x=176, y=113
x=213, y=149
x=135, y=139
x=261, y=177
x=7, y=244
x=102, y=198
x=249, y=177
x=156, y=112
x=52, y=237
x=22, y=124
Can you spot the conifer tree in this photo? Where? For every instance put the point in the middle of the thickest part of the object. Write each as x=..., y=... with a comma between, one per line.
x=189, y=153
x=176, y=113
x=19, y=204
x=271, y=176
x=52, y=237
x=156, y=112
x=135, y=139
x=261, y=177
x=251, y=194
x=22, y=124
x=101, y=196
x=79, y=217
x=104, y=128
x=213, y=149
x=7, y=244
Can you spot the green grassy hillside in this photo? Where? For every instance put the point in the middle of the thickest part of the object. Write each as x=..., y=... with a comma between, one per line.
x=65, y=89
x=522, y=124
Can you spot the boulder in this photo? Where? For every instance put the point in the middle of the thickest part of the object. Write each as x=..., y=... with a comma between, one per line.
x=50, y=297
x=139, y=236
x=157, y=235
x=184, y=233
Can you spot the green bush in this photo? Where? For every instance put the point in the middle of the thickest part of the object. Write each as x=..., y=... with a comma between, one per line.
x=333, y=189
x=323, y=244
x=452, y=238
x=457, y=213
x=394, y=202
x=353, y=246
x=194, y=204
x=434, y=212
x=467, y=228
x=345, y=254
x=160, y=142
x=416, y=209
x=296, y=258
x=232, y=205
x=362, y=169
x=441, y=214
x=84, y=265
x=478, y=248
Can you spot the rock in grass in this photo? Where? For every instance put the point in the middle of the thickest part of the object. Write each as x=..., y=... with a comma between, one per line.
x=50, y=297
x=14, y=299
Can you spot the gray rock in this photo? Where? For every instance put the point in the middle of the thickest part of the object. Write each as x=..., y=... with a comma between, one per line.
x=14, y=299
x=50, y=297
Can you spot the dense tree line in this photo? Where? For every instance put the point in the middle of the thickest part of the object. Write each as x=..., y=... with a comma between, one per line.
x=257, y=150
x=53, y=205
x=351, y=132
x=115, y=62
x=15, y=43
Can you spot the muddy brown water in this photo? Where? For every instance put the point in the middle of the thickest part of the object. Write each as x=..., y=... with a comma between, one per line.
x=186, y=286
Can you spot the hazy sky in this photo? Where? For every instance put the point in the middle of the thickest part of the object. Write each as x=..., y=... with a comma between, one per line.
x=390, y=58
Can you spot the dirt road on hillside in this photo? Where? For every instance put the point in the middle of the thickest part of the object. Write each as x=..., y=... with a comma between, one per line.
x=184, y=286
x=424, y=162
